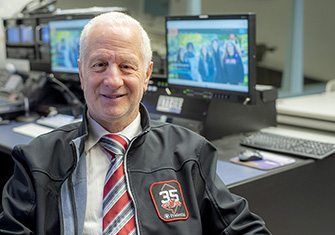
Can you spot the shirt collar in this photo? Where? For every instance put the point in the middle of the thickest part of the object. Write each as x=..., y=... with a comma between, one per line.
x=96, y=131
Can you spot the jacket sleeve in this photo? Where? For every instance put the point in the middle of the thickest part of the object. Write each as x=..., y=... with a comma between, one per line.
x=18, y=200
x=223, y=212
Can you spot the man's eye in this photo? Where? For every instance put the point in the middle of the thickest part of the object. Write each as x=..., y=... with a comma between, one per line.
x=125, y=66
x=99, y=65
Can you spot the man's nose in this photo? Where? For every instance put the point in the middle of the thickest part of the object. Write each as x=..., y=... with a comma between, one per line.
x=113, y=76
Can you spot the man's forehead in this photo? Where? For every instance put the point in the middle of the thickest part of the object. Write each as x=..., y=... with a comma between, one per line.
x=117, y=36
x=117, y=29
x=103, y=54
x=104, y=41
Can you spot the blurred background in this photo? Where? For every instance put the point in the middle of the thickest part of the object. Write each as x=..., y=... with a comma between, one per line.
x=295, y=38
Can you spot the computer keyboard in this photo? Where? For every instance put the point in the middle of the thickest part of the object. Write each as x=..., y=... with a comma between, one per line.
x=289, y=145
x=57, y=120
x=3, y=77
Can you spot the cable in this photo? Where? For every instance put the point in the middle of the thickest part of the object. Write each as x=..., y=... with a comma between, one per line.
x=75, y=100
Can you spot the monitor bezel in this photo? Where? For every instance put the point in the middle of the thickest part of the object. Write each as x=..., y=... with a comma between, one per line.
x=234, y=96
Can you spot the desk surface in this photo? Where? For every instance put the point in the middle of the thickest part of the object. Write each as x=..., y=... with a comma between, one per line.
x=293, y=199
x=229, y=147
x=9, y=138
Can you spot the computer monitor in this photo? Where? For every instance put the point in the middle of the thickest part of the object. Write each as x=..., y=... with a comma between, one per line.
x=212, y=56
x=13, y=35
x=20, y=35
x=64, y=47
x=42, y=34
x=27, y=34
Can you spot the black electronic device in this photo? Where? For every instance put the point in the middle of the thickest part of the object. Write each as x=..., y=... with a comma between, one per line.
x=20, y=32
x=27, y=36
x=21, y=92
x=249, y=155
x=20, y=38
x=185, y=111
x=212, y=56
x=64, y=47
x=226, y=118
x=289, y=145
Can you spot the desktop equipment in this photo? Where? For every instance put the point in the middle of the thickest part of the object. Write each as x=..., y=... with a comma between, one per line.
x=11, y=100
x=164, y=105
x=64, y=47
x=289, y=145
x=249, y=155
x=10, y=81
x=226, y=118
x=19, y=38
x=212, y=56
x=10, y=106
x=27, y=35
x=64, y=40
x=207, y=86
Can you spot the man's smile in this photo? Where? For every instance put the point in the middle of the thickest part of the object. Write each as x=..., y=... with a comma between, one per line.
x=113, y=96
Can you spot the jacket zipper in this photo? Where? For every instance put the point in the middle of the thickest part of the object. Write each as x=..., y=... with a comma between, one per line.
x=127, y=180
x=74, y=209
x=129, y=190
x=69, y=176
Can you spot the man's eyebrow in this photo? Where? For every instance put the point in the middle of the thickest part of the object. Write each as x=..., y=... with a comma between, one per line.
x=121, y=58
x=97, y=57
x=130, y=60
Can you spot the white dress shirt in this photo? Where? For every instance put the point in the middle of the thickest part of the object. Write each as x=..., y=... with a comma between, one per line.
x=97, y=166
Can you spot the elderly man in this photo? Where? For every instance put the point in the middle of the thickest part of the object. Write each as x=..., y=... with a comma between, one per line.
x=118, y=172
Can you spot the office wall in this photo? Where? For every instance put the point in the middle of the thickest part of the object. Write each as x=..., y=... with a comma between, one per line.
x=9, y=9
x=273, y=20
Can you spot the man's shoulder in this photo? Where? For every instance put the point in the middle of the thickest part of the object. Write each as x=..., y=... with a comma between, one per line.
x=50, y=149
x=66, y=131
x=174, y=129
x=57, y=138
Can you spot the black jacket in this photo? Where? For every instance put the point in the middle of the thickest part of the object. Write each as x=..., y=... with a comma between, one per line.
x=172, y=179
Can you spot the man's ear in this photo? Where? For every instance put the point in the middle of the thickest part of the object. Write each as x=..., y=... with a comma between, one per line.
x=147, y=76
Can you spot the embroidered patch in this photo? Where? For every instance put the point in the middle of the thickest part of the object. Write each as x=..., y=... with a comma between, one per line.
x=169, y=200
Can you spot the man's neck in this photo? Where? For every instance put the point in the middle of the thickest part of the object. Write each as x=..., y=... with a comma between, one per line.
x=132, y=128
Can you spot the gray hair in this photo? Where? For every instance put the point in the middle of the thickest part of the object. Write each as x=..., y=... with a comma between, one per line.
x=119, y=19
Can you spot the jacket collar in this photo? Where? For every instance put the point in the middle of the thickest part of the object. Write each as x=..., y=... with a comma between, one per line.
x=145, y=118
x=145, y=121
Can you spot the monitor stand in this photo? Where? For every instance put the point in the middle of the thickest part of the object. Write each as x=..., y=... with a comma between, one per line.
x=28, y=117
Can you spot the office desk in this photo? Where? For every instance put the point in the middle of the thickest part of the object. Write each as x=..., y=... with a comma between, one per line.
x=8, y=138
x=293, y=199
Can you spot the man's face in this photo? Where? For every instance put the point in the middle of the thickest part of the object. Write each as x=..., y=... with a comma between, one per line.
x=113, y=76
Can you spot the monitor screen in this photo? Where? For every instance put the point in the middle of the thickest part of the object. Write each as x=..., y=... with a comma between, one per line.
x=64, y=44
x=45, y=35
x=13, y=35
x=213, y=56
x=27, y=34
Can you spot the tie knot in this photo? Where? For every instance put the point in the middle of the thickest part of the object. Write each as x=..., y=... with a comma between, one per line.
x=114, y=144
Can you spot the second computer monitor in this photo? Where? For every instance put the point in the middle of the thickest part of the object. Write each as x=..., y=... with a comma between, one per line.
x=212, y=55
x=64, y=46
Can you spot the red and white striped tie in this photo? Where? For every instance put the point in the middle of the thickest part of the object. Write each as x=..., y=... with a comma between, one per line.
x=118, y=208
